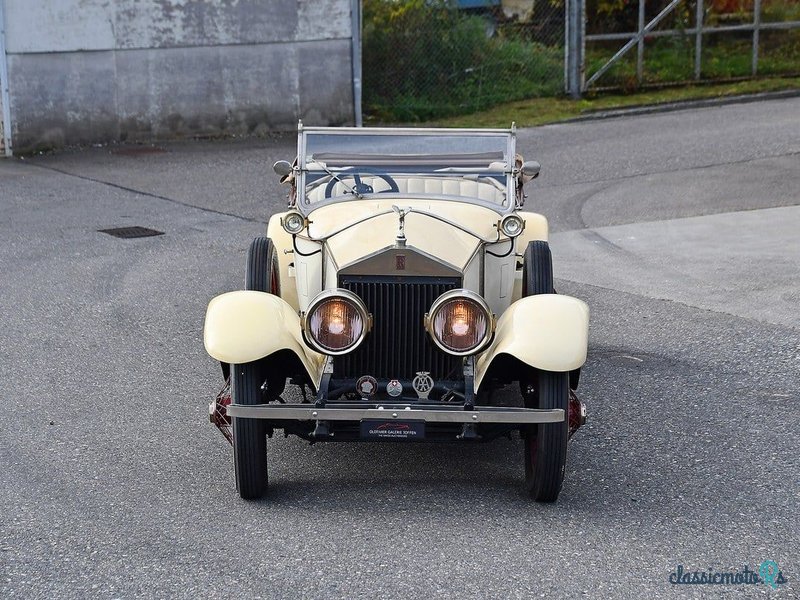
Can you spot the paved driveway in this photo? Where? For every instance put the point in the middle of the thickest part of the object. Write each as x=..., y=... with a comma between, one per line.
x=680, y=231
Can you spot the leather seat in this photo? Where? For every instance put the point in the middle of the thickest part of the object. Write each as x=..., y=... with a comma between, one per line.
x=429, y=186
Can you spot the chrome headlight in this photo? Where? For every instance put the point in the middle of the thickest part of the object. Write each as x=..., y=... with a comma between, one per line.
x=460, y=322
x=512, y=225
x=336, y=322
x=293, y=222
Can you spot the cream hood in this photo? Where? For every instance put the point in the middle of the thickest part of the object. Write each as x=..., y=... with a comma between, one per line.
x=423, y=232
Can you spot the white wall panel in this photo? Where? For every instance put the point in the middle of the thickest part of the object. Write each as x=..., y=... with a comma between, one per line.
x=94, y=70
x=59, y=26
x=75, y=25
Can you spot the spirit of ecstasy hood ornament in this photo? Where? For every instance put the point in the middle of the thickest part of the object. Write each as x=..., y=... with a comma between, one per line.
x=400, y=240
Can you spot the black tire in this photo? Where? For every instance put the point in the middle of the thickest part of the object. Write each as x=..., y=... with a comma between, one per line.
x=537, y=269
x=545, y=444
x=263, y=271
x=249, y=435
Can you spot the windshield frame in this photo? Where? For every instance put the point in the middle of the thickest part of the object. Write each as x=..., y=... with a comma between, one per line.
x=508, y=174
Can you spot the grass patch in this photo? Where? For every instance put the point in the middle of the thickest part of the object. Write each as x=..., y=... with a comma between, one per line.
x=724, y=56
x=539, y=111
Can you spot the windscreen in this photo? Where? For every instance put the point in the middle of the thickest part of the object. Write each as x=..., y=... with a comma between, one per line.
x=341, y=165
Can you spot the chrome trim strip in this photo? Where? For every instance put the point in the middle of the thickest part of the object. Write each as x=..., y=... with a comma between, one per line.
x=287, y=412
x=481, y=270
x=446, y=131
x=417, y=211
x=322, y=248
x=480, y=255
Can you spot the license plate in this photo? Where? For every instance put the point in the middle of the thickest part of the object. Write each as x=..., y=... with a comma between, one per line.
x=393, y=429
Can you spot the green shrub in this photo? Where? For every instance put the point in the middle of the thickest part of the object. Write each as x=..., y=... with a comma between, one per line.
x=422, y=59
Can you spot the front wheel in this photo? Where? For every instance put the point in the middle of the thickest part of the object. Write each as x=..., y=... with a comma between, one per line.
x=249, y=435
x=546, y=443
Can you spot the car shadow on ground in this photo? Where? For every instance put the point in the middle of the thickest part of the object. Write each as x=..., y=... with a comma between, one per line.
x=385, y=477
x=614, y=469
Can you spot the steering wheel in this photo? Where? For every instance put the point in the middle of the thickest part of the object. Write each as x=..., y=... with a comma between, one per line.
x=360, y=186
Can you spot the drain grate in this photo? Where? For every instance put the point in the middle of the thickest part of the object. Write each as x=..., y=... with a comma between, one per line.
x=131, y=232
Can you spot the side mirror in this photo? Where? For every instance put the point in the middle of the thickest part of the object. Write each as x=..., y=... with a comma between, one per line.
x=282, y=168
x=530, y=169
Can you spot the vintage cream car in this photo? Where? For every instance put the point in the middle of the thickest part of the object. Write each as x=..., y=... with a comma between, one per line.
x=403, y=287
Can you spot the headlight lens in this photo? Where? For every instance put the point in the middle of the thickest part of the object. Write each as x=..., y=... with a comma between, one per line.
x=460, y=322
x=512, y=225
x=293, y=222
x=336, y=322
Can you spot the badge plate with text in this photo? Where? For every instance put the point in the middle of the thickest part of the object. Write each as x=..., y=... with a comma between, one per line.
x=392, y=429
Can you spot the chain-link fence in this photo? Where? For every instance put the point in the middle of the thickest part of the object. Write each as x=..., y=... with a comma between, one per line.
x=690, y=40
x=426, y=59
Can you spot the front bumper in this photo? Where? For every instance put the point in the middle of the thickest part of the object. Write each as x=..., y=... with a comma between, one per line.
x=439, y=414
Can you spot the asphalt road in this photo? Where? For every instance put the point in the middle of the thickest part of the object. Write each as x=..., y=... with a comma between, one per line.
x=679, y=230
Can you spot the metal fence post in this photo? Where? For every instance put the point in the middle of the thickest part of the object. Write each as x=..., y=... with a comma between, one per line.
x=566, y=48
x=574, y=47
x=581, y=68
x=756, y=27
x=698, y=39
x=640, y=46
x=355, y=41
x=5, y=102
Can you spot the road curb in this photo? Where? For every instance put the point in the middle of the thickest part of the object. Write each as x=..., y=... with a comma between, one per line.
x=647, y=109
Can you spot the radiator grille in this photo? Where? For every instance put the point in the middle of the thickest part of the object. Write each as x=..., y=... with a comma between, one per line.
x=398, y=345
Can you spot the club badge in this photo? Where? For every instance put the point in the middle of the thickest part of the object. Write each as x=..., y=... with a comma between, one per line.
x=422, y=384
x=394, y=388
x=366, y=386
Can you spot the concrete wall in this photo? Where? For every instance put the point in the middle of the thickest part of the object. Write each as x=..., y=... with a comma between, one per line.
x=94, y=70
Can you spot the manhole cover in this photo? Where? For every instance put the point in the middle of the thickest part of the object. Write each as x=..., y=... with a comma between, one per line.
x=137, y=150
x=131, y=232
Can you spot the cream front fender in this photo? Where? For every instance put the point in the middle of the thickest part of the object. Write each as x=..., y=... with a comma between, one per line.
x=244, y=326
x=547, y=331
